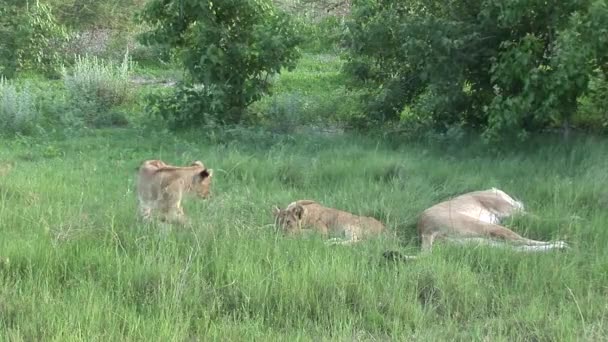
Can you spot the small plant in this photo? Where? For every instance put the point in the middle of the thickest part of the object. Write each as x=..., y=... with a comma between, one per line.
x=94, y=87
x=18, y=112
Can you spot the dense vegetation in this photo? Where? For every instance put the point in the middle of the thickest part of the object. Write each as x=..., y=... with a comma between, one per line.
x=378, y=107
x=230, y=49
x=506, y=67
x=503, y=69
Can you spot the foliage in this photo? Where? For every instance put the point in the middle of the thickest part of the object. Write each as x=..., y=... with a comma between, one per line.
x=323, y=35
x=94, y=87
x=18, y=110
x=311, y=94
x=83, y=14
x=593, y=105
x=229, y=48
x=31, y=38
x=505, y=67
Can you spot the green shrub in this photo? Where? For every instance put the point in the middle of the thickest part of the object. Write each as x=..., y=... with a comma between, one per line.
x=285, y=112
x=230, y=49
x=18, y=110
x=593, y=106
x=314, y=93
x=322, y=36
x=94, y=88
x=504, y=68
x=31, y=39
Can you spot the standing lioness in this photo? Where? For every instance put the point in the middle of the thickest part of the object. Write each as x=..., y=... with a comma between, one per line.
x=306, y=214
x=161, y=187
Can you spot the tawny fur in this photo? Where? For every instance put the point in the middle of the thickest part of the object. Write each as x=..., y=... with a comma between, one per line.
x=475, y=218
x=5, y=169
x=161, y=187
x=306, y=215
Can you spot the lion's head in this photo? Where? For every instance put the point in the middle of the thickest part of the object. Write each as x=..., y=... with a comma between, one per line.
x=288, y=220
x=201, y=182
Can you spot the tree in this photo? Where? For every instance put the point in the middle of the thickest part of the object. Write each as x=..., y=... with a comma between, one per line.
x=505, y=67
x=30, y=38
x=230, y=48
x=87, y=14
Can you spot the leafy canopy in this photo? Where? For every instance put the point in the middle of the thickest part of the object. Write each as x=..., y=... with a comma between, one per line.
x=507, y=67
x=30, y=38
x=230, y=48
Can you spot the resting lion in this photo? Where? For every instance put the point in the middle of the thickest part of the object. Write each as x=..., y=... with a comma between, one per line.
x=474, y=218
x=161, y=187
x=304, y=215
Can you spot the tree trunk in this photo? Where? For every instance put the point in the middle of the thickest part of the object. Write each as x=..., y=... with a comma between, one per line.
x=566, y=129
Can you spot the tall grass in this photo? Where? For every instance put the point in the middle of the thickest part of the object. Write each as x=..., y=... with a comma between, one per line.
x=18, y=112
x=95, y=87
x=314, y=93
x=75, y=264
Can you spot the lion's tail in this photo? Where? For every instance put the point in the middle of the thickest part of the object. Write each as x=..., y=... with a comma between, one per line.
x=398, y=256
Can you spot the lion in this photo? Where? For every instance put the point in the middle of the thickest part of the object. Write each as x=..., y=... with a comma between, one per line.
x=161, y=187
x=5, y=169
x=474, y=218
x=307, y=215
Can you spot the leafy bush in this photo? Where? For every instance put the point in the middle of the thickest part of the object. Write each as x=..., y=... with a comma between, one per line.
x=507, y=68
x=31, y=39
x=18, y=112
x=314, y=93
x=593, y=105
x=285, y=112
x=94, y=88
x=322, y=36
x=230, y=49
x=85, y=14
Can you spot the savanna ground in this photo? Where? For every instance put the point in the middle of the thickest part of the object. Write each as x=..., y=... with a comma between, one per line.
x=76, y=265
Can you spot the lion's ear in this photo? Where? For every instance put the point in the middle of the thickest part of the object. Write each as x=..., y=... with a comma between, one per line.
x=198, y=163
x=298, y=211
x=275, y=210
x=204, y=174
x=210, y=173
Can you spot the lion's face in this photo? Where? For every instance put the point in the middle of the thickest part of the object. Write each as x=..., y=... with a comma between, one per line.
x=288, y=220
x=202, y=183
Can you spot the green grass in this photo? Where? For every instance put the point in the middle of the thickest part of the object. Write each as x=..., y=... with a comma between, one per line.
x=75, y=265
x=313, y=93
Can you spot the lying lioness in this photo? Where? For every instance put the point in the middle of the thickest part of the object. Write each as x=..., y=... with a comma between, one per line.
x=474, y=218
x=161, y=187
x=305, y=214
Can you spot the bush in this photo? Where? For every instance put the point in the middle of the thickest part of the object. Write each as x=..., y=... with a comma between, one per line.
x=505, y=68
x=285, y=112
x=322, y=36
x=18, y=112
x=593, y=106
x=288, y=111
x=86, y=14
x=94, y=88
x=230, y=49
x=31, y=39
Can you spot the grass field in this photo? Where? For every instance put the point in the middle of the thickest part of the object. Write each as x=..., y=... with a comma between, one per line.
x=75, y=265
